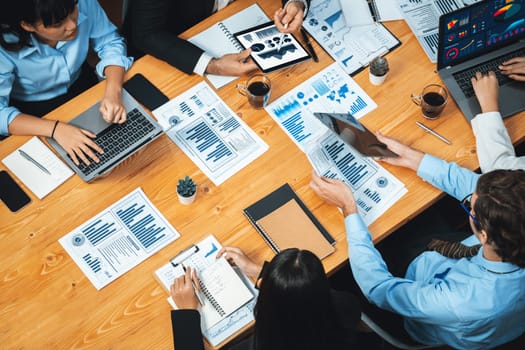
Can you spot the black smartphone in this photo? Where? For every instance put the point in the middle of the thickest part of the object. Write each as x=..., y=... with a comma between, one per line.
x=145, y=92
x=11, y=193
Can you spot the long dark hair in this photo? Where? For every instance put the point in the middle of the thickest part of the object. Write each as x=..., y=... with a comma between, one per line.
x=294, y=309
x=500, y=210
x=30, y=11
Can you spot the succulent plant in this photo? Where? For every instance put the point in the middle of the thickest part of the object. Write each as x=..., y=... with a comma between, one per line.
x=186, y=187
x=379, y=66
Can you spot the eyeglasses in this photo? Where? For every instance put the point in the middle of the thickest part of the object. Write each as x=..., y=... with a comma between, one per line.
x=467, y=206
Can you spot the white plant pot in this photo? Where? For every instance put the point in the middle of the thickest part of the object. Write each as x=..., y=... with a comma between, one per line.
x=377, y=80
x=187, y=200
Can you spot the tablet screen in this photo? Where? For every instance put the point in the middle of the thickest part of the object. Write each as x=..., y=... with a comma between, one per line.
x=353, y=133
x=264, y=42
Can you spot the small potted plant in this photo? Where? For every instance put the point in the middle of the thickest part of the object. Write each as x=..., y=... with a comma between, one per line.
x=378, y=70
x=187, y=190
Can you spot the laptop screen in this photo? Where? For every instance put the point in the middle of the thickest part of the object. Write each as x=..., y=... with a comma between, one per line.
x=479, y=28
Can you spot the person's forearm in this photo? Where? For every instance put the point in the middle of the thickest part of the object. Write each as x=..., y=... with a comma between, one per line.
x=25, y=124
x=114, y=78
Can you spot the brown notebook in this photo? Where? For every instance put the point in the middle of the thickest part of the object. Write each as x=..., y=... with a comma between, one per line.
x=289, y=227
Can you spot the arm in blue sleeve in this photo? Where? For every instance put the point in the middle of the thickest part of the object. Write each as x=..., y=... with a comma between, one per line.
x=7, y=113
x=449, y=177
x=107, y=42
x=413, y=299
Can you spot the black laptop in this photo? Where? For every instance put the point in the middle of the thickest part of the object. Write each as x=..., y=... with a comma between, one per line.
x=480, y=37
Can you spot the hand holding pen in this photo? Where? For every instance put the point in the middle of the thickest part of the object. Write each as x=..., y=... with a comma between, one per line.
x=290, y=18
x=185, y=290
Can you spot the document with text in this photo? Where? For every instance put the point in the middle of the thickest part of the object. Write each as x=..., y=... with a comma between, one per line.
x=118, y=238
x=210, y=133
x=332, y=90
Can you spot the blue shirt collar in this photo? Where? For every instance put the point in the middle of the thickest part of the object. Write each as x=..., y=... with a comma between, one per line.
x=494, y=266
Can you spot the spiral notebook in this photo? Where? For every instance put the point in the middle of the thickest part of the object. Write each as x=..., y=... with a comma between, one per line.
x=218, y=40
x=284, y=221
x=228, y=297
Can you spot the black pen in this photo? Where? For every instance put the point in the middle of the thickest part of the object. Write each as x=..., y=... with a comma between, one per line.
x=309, y=45
x=197, y=294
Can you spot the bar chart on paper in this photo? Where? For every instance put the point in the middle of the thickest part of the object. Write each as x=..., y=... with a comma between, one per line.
x=119, y=238
x=209, y=132
x=330, y=90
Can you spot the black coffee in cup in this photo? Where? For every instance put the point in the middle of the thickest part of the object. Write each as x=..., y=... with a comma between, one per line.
x=258, y=88
x=433, y=104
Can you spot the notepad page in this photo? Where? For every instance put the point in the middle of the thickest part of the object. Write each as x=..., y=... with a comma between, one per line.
x=39, y=182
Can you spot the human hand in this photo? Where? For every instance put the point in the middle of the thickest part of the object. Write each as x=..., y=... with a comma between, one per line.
x=182, y=291
x=112, y=108
x=334, y=192
x=77, y=143
x=292, y=14
x=236, y=257
x=408, y=157
x=514, y=68
x=234, y=64
x=486, y=89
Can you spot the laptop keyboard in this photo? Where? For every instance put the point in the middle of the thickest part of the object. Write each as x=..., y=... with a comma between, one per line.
x=117, y=138
x=463, y=77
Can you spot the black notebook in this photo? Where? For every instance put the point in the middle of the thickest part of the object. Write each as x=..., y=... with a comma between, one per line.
x=284, y=221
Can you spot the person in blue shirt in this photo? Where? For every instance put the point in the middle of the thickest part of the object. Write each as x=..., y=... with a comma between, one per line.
x=467, y=303
x=43, y=49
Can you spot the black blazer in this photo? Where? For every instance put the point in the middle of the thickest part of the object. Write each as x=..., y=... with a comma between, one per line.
x=187, y=333
x=152, y=27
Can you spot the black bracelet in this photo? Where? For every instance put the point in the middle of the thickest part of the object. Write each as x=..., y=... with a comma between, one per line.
x=54, y=128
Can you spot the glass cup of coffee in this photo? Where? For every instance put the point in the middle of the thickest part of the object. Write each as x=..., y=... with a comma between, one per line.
x=432, y=100
x=257, y=88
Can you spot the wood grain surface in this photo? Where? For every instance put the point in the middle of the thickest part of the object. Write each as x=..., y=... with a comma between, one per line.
x=46, y=302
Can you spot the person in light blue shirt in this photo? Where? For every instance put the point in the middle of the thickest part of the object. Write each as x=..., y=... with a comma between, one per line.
x=43, y=47
x=467, y=303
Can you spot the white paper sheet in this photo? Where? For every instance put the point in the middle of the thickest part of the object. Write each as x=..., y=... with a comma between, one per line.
x=209, y=132
x=331, y=90
x=118, y=238
x=38, y=181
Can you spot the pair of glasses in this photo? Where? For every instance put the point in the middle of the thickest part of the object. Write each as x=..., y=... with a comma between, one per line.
x=467, y=206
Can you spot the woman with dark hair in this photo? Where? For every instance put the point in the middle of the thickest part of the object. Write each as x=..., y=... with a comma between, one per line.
x=43, y=49
x=295, y=309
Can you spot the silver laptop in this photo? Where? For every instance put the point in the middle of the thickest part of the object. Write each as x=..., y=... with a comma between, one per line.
x=119, y=141
x=480, y=37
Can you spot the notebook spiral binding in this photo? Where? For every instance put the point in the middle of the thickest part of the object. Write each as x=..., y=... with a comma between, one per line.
x=230, y=36
x=263, y=233
x=212, y=299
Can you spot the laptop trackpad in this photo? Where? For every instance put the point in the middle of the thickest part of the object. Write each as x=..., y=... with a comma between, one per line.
x=512, y=98
x=91, y=120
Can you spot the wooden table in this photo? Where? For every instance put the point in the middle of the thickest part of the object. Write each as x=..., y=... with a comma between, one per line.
x=46, y=302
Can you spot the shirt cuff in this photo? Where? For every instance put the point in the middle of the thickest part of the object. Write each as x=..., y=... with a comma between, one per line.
x=356, y=229
x=427, y=167
x=304, y=3
x=121, y=61
x=202, y=64
x=10, y=114
x=484, y=119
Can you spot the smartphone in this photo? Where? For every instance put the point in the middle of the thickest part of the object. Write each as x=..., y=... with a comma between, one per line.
x=11, y=193
x=145, y=92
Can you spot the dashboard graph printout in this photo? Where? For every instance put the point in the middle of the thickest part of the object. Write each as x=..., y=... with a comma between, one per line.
x=422, y=16
x=332, y=90
x=209, y=132
x=353, y=47
x=118, y=239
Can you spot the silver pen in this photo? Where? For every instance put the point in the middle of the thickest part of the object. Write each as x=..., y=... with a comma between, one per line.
x=430, y=131
x=281, y=37
x=32, y=160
